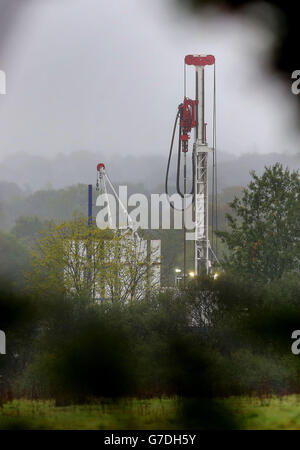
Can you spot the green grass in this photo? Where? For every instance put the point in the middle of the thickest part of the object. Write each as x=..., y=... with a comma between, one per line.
x=276, y=413
x=252, y=412
x=126, y=414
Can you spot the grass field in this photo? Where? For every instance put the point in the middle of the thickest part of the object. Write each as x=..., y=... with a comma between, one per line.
x=253, y=413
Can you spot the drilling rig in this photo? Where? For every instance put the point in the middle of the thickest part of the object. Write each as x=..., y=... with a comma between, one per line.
x=148, y=252
x=191, y=116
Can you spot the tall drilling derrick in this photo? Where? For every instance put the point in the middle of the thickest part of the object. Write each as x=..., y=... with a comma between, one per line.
x=200, y=155
x=192, y=115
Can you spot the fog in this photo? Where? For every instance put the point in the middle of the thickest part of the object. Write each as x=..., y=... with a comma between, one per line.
x=107, y=77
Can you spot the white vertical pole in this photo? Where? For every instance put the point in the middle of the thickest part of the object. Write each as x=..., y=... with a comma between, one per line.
x=201, y=184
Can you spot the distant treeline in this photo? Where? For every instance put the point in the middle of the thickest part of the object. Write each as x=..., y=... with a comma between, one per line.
x=24, y=214
x=61, y=204
x=36, y=172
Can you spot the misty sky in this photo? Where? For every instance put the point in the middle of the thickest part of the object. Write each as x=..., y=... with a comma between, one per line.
x=107, y=76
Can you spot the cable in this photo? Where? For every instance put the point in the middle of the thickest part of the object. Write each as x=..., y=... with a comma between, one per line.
x=214, y=186
x=178, y=166
x=178, y=169
x=169, y=160
x=213, y=199
x=179, y=112
x=215, y=152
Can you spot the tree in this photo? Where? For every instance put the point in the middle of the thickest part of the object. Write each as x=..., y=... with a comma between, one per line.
x=28, y=229
x=264, y=232
x=14, y=260
x=80, y=260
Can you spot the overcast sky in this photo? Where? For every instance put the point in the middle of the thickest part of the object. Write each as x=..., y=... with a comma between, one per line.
x=105, y=75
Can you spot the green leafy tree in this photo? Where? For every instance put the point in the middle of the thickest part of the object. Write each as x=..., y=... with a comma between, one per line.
x=264, y=231
x=14, y=260
x=75, y=259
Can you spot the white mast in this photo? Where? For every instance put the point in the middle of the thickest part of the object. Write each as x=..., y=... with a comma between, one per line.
x=202, y=262
x=200, y=155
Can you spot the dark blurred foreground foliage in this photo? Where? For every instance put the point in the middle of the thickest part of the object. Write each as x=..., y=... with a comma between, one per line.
x=220, y=338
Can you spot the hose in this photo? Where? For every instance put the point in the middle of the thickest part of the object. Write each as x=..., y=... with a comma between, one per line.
x=178, y=165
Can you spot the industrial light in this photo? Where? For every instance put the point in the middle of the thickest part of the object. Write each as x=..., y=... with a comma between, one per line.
x=216, y=275
x=192, y=274
x=177, y=270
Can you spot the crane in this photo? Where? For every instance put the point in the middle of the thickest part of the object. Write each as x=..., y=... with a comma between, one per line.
x=149, y=252
x=102, y=178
